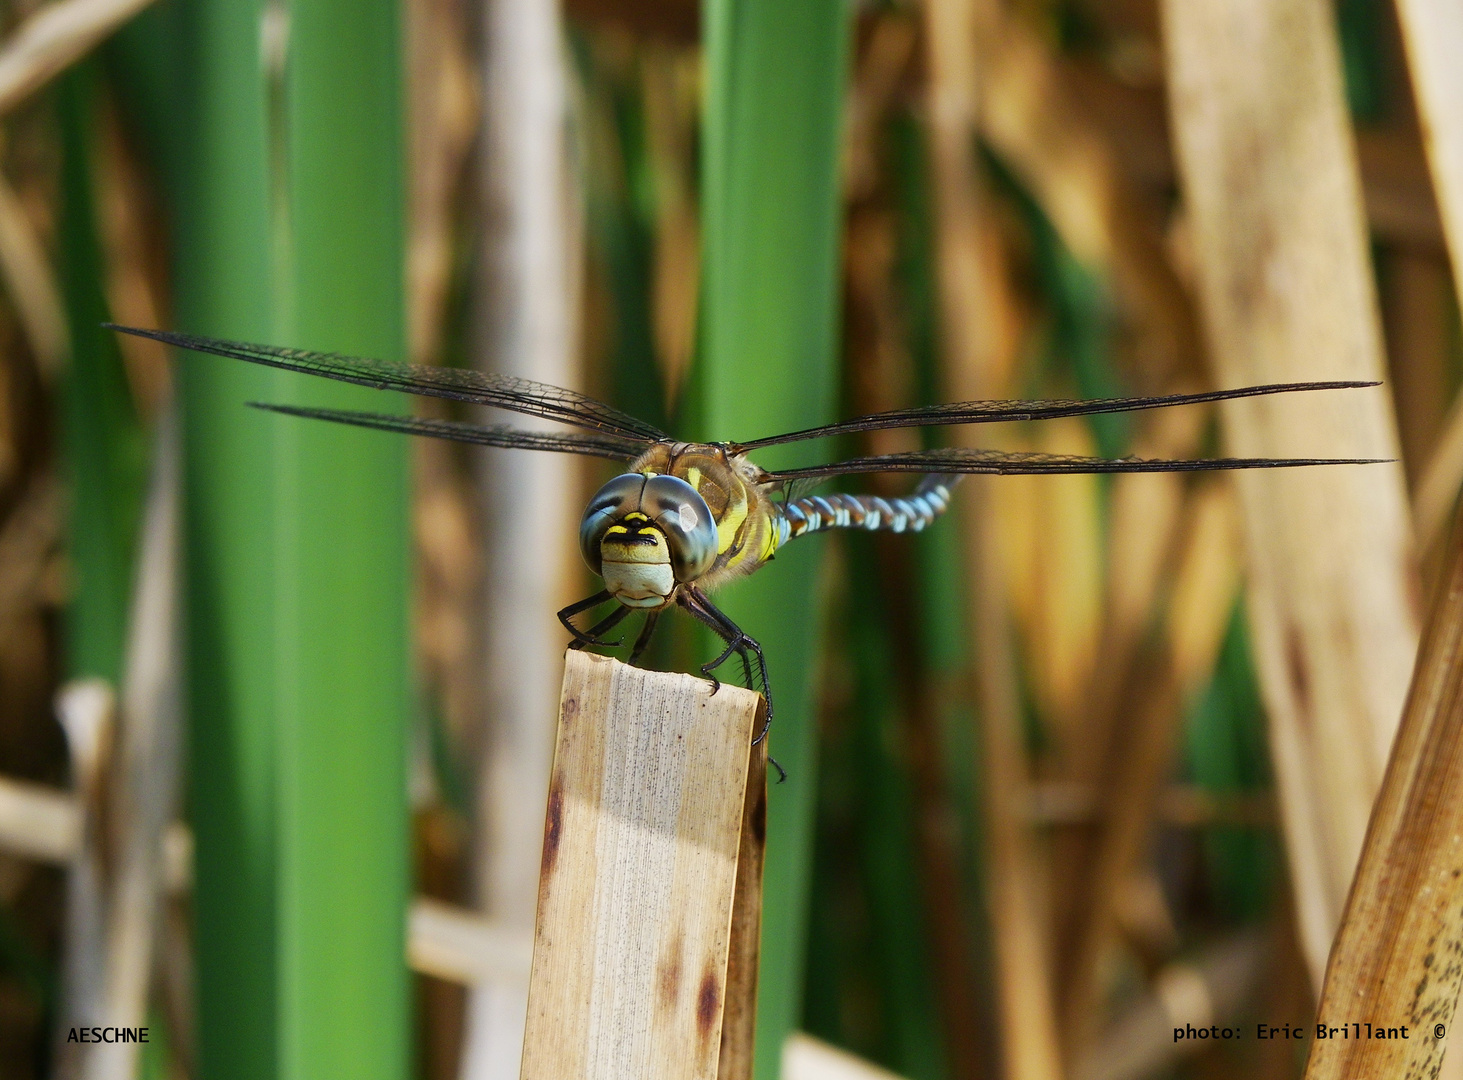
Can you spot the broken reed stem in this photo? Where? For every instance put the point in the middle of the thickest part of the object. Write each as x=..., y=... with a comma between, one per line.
x=644, y=959
x=1026, y=1008
x=975, y=360
x=1285, y=285
x=527, y=326
x=1398, y=957
x=149, y=747
x=1146, y=746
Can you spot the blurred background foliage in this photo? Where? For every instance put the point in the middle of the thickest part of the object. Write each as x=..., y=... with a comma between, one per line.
x=898, y=963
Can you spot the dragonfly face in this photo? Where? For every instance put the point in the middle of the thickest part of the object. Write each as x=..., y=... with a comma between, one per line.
x=646, y=535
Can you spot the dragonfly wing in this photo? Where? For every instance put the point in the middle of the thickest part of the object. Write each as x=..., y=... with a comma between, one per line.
x=990, y=412
x=460, y=384
x=1003, y=462
x=596, y=445
x=793, y=489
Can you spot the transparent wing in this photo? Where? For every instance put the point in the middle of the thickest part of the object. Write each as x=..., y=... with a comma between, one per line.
x=794, y=489
x=1003, y=462
x=990, y=412
x=499, y=391
x=604, y=446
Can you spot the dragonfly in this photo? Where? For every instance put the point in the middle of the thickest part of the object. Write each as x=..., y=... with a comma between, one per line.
x=685, y=518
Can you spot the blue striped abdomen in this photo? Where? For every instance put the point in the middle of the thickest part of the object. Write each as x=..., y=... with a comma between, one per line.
x=840, y=511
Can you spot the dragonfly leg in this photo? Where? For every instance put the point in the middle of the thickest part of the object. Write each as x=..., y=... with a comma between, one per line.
x=739, y=642
x=689, y=602
x=582, y=639
x=646, y=631
x=610, y=621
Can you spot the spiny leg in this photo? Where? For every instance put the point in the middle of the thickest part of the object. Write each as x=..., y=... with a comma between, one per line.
x=643, y=640
x=692, y=603
x=745, y=646
x=735, y=644
x=581, y=639
x=609, y=622
x=739, y=642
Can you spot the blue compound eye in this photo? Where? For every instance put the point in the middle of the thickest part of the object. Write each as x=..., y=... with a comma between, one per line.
x=682, y=514
x=612, y=502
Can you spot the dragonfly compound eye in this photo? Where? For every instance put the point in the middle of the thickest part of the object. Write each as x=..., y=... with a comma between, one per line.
x=610, y=504
x=684, y=517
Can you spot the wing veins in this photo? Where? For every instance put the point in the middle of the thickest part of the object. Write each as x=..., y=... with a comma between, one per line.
x=458, y=384
x=991, y=412
x=593, y=445
x=1005, y=463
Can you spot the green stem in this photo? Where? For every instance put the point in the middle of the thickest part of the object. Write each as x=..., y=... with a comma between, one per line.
x=290, y=226
x=770, y=213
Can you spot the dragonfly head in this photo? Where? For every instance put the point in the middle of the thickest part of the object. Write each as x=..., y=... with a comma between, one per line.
x=645, y=535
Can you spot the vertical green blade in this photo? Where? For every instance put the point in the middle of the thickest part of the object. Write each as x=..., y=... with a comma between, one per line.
x=770, y=213
x=224, y=288
x=103, y=442
x=290, y=231
x=343, y=564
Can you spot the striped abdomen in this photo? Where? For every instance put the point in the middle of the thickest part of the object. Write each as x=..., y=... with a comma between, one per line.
x=839, y=511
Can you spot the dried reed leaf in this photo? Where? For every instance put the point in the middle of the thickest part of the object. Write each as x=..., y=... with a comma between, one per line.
x=44, y=824
x=1432, y=31
x=670, y=81
x=527, y=306
x=443, y=104
x=1132, y=768
x=1400, y=206
x=882, y=64
x=148, y=751
x=461, y=946
x=1398, y=956
x=1051, y=529
x=1033, y=121
x=28, y=541
x=529, y=312
x=1438, y=483
x=1273, y=199
x=1144, y=514
x=37, y=822
x=134, y=265
x=32, y=286
x=87, y=711
x=1417, y=313
x=980, y=346
x=1147, y=516
x=1030, y=1049
x=448, y=595
x=1205, y=585
x=53, y=39
x=883, y=377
